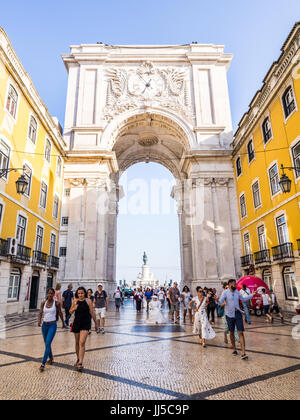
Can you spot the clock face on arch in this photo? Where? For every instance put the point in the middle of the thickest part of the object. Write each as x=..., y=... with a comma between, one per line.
x=146, y=85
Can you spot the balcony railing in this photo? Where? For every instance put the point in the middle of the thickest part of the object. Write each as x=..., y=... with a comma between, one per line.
x=53, y=262
x=23, y=254
x=283, y=251
x=39, y=258
x=3, y=247
x=298, y=243
x=262, y=256
x=246, y=260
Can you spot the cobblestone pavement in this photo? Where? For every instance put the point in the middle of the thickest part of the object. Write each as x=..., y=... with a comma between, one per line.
x=137, y=361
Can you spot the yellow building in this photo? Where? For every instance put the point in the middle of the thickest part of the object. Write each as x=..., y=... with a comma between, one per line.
x=268, y=136
x=31, y=142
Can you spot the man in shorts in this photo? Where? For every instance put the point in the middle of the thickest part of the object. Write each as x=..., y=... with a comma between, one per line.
x=233, y=312
x=275, y=306
x=174, y=295
x=101, y=306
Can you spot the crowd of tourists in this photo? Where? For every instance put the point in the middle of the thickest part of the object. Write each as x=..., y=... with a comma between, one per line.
x=162, y=306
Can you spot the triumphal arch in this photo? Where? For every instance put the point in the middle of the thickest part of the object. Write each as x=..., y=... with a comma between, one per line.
x=167, y=104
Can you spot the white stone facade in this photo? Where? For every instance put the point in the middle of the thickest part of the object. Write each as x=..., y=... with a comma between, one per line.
x=164, y=104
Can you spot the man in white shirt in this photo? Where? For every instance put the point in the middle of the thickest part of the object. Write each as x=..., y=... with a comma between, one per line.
x=266, y=302
x=245, y=292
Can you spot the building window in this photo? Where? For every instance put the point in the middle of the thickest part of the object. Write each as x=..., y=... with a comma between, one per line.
x=274, y=179
x=62, y=251
x=4, y=156
x=247, y=244
x=267, y=130
x=48, y=150
x=52, y=244
x=12, y=100
x=67, y=192
x=290, y=283
x=288, y=101
x=250, y=149
x=55, y=206
x=64, y=221
x=27, y=172
x=21, y=229
x=296, y=158
x=238, y=167
x=43, y=197
x=14, y=284
x=1, y=211
x=32, y=129
x=256, y=194
x=39, y=239
x=59, y=166
x=262, y=238
x=243, y=206
x=282, y=230
x=267, y=278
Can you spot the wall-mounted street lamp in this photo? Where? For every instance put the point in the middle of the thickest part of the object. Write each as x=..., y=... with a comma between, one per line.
x=285, y=182
x=21, y=183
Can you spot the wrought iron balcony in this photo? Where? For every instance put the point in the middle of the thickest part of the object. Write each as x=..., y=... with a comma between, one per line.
x=53, y=262
x=262, y=257
x=283, y=251
x=23, y=254
x=247, y=260
x=3, y=247
x=298, y=243
x=39, y=258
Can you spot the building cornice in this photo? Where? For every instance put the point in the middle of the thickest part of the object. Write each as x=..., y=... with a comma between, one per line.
x=271, y=84
x=25, y=83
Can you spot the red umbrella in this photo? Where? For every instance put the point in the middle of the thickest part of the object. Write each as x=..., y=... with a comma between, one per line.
x=253, y=284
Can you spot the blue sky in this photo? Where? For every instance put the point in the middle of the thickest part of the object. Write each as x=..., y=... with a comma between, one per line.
x=253, y=30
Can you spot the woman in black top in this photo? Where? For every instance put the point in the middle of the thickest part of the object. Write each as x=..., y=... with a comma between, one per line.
x=211, y=307
x=84, y=311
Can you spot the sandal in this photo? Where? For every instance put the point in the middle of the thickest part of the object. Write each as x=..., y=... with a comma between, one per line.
x=76, y=364
x=79, y=367
x=50, y=361
x=42, y=368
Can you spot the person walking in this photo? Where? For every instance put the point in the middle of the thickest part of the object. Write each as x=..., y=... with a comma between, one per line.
x=50, y=310
x=117, y=296
x=245, y=292
x=211, y=306
x=202, y=326
x=58, y=296
x=84, y=312
x=101, y=307
x=139, y=297
x=231, y=297
x=186, y=298
x=168, y=299
x=275, y=306
x=174, y=295
x=67, y=299
x=148, y=296
x=221, y=313
x=161, y=296
x=267, y=303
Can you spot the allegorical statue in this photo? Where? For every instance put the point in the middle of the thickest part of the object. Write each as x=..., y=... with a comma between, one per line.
x=145, y=258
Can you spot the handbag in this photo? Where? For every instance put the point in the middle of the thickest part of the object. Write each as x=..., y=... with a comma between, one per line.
x=220, y=311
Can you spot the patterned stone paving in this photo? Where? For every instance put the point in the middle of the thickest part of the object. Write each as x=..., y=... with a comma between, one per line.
x=137, y=361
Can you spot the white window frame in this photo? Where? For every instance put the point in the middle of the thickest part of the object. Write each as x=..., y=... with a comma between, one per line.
x=7, y=146
x=292, y=146
x=246, y=249
x=25, y=217
x=62, y=221
x=289, y=274
x=271, y=129
x=289, y=83
x=55, y=211
x=254, y=158
x=39, y=227
x=31, y=176
x=276, y=217
x=40, y=205
x=47, y=141
x=240, y=159
x=16, y=275
x=52, y=234
x=243, y=194
x=264, y=235
x=256, y=180
x=31, y=116
x=12, y=84
x=273, y=195
x=59, y=165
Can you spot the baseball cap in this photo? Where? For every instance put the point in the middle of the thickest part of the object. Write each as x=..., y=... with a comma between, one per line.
x=100, y=284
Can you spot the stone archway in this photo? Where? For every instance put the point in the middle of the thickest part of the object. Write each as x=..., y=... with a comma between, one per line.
x=164, y=104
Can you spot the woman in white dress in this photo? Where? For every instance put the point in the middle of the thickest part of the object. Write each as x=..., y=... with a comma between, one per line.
x=186, y=298
x=201, y=323
x=155, y=312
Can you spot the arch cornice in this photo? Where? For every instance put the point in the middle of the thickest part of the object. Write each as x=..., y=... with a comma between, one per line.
x=113, y=129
